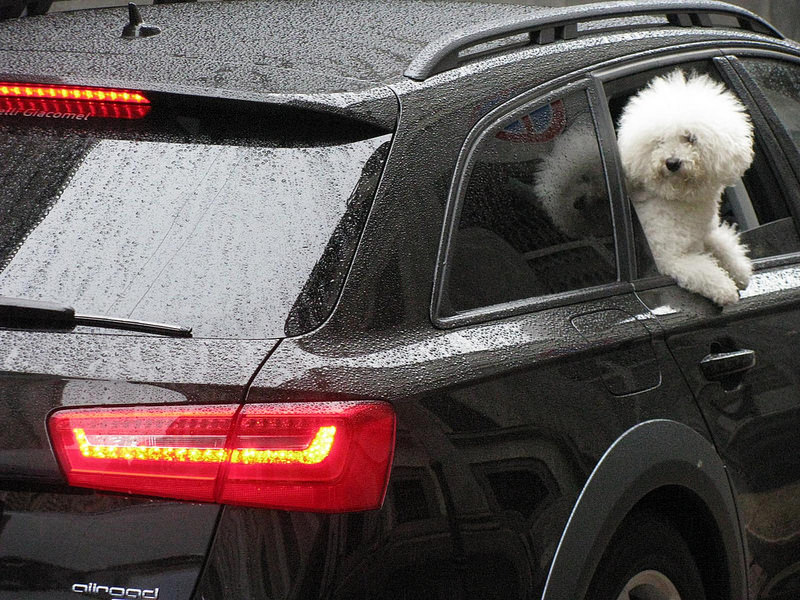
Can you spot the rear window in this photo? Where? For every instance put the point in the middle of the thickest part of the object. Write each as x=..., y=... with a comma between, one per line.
x=235, y=219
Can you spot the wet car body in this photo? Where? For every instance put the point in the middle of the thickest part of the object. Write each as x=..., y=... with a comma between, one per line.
x=527, y=428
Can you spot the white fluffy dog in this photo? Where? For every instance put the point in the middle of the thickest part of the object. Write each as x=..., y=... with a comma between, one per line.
x=681, y=141
x=570, y=185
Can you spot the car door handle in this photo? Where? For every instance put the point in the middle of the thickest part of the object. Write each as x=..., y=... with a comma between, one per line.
x=719, y=365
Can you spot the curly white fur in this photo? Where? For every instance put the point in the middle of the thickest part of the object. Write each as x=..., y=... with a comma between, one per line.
x=681, y=141
x=570, y=185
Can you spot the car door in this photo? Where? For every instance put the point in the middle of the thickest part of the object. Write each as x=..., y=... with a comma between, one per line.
x=530, y=263
x=741, y=361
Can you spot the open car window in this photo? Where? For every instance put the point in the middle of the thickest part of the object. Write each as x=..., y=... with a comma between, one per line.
x=756, y=204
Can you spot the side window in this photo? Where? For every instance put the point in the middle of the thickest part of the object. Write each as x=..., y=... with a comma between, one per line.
x=535, y=217
x=780, y=83
x=758, y=207
x=756, y=204
x=773, y=230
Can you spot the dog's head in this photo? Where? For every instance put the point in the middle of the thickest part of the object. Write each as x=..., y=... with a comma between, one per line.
x=679, y=134
x=570, y=185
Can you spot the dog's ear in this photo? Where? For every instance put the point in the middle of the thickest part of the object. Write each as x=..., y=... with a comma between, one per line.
x=636, y=136
x=739, y=155
x=721, y=125
x=727, y=137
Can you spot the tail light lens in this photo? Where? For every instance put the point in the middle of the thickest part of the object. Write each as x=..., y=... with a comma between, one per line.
x=57, y=92
x=71, y=102
x=326, y=457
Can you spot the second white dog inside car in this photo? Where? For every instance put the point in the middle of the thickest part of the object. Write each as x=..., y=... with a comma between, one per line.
x=682, y=140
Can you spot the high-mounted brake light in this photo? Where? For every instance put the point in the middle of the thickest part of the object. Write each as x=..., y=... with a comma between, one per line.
x=71, y=102
x=26, y=90
x=327, y=457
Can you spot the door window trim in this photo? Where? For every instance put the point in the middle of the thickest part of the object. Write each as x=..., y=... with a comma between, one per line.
x=461, y=176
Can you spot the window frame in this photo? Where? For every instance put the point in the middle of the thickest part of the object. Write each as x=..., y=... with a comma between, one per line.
x=442, y=314
x=592, y=81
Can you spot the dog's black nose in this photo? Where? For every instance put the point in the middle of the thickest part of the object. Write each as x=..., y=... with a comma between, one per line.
x=673, y=164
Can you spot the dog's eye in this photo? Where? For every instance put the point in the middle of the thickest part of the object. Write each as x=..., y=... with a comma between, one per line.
x=689, y=138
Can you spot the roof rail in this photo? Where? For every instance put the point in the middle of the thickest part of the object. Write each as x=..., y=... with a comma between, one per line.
x=550, y=24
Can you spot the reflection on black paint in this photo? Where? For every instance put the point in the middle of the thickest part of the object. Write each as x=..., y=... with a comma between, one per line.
x=632, y=366
x=24, y=399
x=321, y=290
x=89, y=541
x=28, y=575
x=458, y=416
x=524, y=486
x=455, y=524
x=33, y=171
x=278, y=557
x=410, y=501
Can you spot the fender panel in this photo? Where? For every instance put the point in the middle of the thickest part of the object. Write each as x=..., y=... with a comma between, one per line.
x=648, y=456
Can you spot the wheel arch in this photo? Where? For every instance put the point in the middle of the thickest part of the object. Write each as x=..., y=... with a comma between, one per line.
x=659, y=464
x=692, y=518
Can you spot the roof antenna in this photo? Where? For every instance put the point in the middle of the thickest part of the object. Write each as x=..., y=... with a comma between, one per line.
x=136, y=27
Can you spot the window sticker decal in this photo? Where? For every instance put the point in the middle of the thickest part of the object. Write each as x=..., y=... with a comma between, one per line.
x=542, y=125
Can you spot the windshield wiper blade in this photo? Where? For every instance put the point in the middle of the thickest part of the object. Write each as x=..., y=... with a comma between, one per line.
x=21, y=313
x=133, y=325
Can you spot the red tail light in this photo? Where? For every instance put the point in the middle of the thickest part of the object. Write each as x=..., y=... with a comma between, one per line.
x=71, y=102
x=327, y=457
x=30, y=90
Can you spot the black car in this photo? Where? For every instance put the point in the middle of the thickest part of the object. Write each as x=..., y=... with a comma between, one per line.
x=283, y=316
x=10, y=9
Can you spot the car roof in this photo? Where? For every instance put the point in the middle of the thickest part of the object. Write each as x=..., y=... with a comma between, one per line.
x=298, y=46
x=324, y=55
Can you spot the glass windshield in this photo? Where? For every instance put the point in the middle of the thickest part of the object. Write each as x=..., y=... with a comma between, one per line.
x=225, y=238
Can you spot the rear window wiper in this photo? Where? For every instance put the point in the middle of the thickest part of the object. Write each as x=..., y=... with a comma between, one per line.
x=21, y=313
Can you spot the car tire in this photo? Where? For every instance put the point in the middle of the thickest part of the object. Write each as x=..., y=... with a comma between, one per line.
x=647, y=558
x=39, y=7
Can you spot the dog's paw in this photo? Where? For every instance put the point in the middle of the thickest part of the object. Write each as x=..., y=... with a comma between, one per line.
x=741, y=273
x=700, y=273
x=730, y=254
x=724, y=294
x=742, y=282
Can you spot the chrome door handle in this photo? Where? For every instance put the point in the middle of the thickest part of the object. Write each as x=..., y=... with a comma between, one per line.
x=719, y=365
